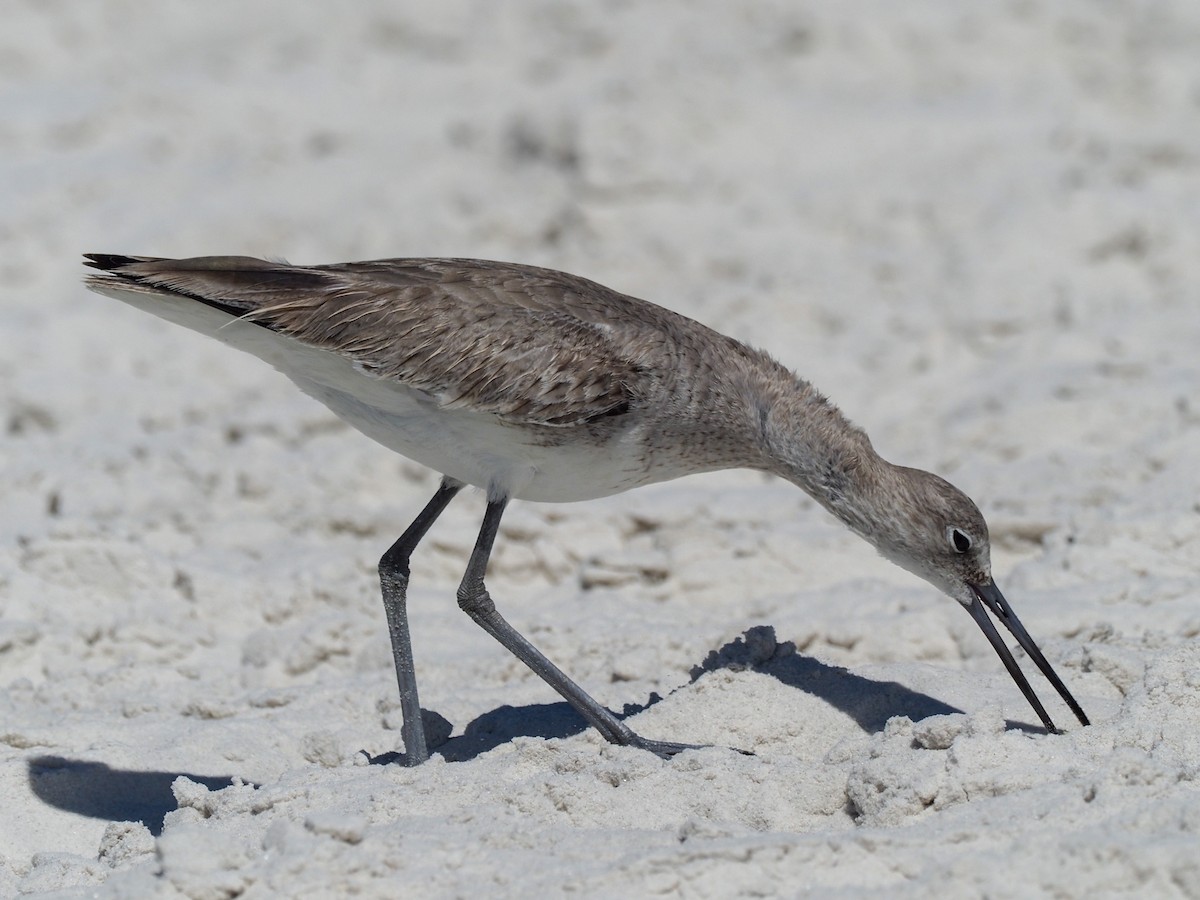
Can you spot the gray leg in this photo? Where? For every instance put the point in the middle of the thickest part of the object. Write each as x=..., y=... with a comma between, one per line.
x=393, y=579
x=474, y=599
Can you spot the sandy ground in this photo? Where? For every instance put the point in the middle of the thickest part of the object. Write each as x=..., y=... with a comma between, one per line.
x=976, y=226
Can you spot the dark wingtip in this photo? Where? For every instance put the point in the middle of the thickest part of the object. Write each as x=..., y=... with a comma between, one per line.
x=107, y=261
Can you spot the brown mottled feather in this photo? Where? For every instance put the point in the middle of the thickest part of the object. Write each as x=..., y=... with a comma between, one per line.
x=541, y=347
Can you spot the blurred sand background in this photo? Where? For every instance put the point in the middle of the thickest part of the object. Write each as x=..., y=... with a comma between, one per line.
x=977, y=227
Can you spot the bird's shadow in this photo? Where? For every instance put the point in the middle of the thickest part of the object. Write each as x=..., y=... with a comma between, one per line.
x=868, y=702
x=502, y=724
x=98, y=791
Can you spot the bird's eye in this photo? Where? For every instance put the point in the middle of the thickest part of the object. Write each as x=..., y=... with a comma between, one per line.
x=960, y=540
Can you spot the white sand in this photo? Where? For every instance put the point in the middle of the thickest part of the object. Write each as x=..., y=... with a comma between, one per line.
x=976, y=226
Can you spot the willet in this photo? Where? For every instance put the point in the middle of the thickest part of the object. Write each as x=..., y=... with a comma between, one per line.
x=538, y=385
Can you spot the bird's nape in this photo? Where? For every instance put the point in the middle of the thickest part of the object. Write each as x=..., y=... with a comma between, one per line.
x=987, y=594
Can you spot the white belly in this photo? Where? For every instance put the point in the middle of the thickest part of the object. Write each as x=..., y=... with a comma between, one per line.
x=480, y=449
x=473, y=448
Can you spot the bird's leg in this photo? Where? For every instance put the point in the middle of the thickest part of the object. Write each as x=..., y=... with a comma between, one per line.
x=474, y=600
x=393, y=579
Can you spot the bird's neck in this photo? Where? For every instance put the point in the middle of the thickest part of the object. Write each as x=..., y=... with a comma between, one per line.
x=808, y=441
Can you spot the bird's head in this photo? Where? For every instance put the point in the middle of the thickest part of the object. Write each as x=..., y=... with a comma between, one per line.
x=928, y=526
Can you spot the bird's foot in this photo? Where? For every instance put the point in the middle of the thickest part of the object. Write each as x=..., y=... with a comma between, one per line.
x=668, y=749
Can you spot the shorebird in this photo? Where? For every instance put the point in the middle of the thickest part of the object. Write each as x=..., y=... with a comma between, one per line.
x=534, y=384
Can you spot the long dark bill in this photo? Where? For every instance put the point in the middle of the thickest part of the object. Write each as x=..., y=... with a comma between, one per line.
x=988, y=594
